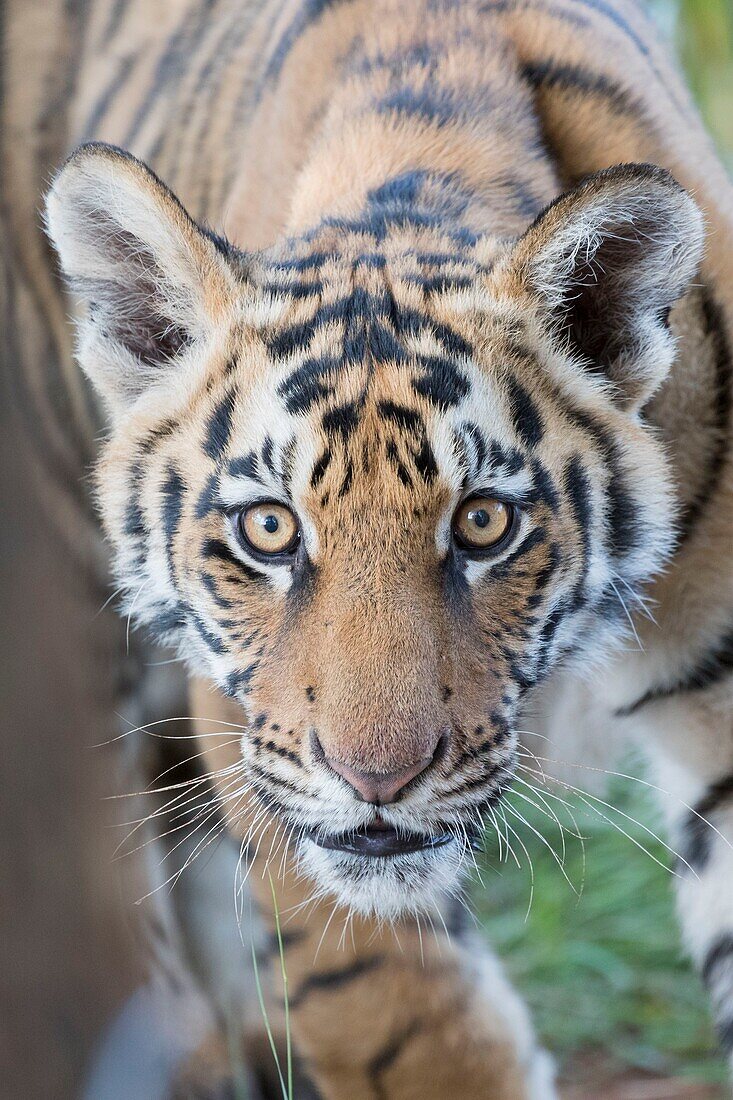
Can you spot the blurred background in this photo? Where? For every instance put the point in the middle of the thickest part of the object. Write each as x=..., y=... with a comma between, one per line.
x=606, y=978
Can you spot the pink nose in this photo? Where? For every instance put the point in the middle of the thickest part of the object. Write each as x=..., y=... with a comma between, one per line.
x=379, y=788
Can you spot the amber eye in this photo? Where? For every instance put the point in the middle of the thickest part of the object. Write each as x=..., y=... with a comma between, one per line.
x=482, y=523
x=269, y=528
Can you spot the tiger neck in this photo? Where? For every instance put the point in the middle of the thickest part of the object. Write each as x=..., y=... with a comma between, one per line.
x=427, y=120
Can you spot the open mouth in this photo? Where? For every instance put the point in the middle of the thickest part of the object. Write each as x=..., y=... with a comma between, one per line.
x=380, y=840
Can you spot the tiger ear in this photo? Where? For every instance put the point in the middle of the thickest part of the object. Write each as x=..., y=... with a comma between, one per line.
x=151, y=282
x=606, y=262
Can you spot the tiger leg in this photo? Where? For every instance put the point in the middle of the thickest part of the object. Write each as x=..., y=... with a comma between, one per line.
x=695, y=770
x=403, y=1011
x=418, y=1009
x=399, y=1012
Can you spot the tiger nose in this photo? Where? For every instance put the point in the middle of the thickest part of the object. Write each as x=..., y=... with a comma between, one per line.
x=379, y=788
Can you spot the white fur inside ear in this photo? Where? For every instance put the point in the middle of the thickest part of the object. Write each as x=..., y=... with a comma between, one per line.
x=150, y=281
x=608, y=261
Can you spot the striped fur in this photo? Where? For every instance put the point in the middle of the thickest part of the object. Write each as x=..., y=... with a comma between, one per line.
x=397, y=311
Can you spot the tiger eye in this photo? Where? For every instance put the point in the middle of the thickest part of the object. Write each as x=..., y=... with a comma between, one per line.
x=269, y=528
x=481, y=522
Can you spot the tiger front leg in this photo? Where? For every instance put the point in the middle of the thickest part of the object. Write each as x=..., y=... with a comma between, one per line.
x=404, y=1012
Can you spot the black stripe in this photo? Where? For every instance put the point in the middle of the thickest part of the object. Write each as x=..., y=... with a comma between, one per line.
x=386, y=1058
x=209, y=584
x=172, y=492
x=239, y=681
x=407, y=419
x=715, y=325
x=479, y=443
x=625, y=532
x=525, y=415
x=329, y=980
x=341, y=420
x=320, y=468
x=245, y=466
x=425, y=462
x=215, y=548
x=308, y=13
x=208, y=497
x=214, y=643
x=720, y=952
x=578, y=490
x=170, y=68
x=697, y=835
x=536, y=537
x=575, y=78
x=114, y=20
x=442, y=383
x=725, y=1035
x=219, y=428
x=710, y=669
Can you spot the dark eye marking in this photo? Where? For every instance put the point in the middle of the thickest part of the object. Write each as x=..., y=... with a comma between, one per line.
x=215, y=548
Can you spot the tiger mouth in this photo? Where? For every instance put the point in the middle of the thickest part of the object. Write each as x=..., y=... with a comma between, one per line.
x=378, y=841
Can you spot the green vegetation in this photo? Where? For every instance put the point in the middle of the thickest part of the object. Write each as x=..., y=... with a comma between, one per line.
x=703, y=33
x=603, y=972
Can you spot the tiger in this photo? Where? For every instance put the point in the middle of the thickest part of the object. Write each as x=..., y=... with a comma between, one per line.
x=416, y=373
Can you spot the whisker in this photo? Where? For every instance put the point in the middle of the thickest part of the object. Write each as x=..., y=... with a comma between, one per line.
x=585, y=796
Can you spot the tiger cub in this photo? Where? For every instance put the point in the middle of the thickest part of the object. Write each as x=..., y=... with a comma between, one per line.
x=397, y=456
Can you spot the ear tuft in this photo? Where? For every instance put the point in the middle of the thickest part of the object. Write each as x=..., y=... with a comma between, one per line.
x=151, y=281
x=607, y=261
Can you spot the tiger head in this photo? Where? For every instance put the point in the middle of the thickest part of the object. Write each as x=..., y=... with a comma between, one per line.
x=379, y=480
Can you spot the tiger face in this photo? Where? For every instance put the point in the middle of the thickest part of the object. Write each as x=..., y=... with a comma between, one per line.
x=377, y=482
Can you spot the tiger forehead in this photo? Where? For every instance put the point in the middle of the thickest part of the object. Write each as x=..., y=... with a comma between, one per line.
x=346, y=325
x=365, y=354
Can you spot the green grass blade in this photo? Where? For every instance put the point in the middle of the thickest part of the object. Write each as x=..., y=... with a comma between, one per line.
x=288, y=1042
x=286, y=1095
